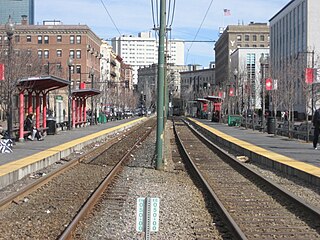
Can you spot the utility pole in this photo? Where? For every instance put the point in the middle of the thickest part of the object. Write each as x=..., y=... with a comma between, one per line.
x=160, y=100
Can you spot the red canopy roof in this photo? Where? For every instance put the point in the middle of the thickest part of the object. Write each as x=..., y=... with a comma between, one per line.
x=42, y=83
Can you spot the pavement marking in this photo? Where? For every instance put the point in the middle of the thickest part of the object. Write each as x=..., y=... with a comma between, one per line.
x=291, y=162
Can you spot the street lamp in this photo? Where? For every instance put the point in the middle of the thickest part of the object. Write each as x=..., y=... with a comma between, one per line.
x=70, y=62
x=235, y=74
x=10, y=27
x=92, y=114
x=263, y=62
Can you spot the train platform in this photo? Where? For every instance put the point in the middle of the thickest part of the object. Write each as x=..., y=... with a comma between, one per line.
x=292, y=156
x=31, y=156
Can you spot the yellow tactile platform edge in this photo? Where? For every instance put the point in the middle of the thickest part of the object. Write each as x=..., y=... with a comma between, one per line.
x=305, y=167
x=23, y=162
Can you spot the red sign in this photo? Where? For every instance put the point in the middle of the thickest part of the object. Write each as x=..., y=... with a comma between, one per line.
x=220, y=94
x=231, y=92
x=1, y=71
x=205, y=107
x=309, y=75
x=269, y=84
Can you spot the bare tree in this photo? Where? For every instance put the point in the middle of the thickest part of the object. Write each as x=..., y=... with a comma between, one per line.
x=18, y=64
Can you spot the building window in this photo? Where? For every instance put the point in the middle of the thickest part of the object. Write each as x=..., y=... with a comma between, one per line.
x=29, y=38
x=78, y=39
x=29, y=52
x=71, y=39
x=261, y=45
x=78, y=54
x=46, y=39
x=59, y=53
x=254, y=38
x=246, y=45
x=72, y=69
x=71, y=54
x=17, y=38
x=261, y=38
x=40, y=54
x=239, y=38
x=0, y=39
x=39, y=39
x=254, y=45
x=78, y=68
x=59, y=38
x=247, y=38
x=46, y=54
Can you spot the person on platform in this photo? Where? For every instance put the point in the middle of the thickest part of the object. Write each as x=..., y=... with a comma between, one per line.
x=29, y=126
x=316, y=124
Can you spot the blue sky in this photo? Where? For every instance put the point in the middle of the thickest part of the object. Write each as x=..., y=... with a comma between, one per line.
x=134, y=16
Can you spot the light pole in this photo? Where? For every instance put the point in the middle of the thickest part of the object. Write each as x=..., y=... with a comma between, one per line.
x=263, y=62
x=235, y=74
x=92, y=113
x=70, y=62
x=10, y=27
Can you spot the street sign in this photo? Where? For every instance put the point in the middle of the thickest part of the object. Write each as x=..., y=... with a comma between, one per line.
x=154, y=218
x=147, y=218
x=140, y=215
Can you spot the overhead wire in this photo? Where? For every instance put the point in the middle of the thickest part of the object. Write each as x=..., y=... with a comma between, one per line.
x=195, y=37
x=114, y=24
x=152, y=10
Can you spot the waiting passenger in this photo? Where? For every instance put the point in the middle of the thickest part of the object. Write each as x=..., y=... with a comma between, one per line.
x=316, y=124
x=29, y=126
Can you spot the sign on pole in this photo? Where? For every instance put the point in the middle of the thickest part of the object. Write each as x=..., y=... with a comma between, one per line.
x=140, y=215
x=154, y=218
x=1, y=71
x=147, y=218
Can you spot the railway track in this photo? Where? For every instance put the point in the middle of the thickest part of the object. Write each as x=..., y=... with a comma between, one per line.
x=252, y=207
x=51, y=207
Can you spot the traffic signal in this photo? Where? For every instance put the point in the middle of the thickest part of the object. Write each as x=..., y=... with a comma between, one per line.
x=144, y=97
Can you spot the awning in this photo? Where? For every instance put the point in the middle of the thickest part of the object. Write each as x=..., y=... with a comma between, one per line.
x=42, y=83
x=202, y=100
x=214, y=98
x=84, y=93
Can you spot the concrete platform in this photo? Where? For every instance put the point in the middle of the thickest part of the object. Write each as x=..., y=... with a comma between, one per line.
x=291, y=156
x=31, y=156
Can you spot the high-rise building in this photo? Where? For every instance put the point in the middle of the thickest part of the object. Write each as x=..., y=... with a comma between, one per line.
x=16, y=9
x=294, y=47
x=143, y=51
x=254, y=35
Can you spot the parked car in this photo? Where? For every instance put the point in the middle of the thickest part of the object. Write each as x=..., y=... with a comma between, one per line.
x=128, y=113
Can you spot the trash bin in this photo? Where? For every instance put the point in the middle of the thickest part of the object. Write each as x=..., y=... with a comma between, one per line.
x=52, y=126
x=234, y=120
x=271, y=125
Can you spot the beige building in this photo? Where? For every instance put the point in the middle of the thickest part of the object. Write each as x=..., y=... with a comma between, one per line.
x=237, y=36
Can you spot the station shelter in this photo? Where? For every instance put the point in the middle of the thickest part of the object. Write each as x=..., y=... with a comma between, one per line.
x=79, y=104
x=202, y=107
x=37, y=87
x=215, y=106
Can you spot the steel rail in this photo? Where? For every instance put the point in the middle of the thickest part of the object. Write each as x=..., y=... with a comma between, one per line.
x=95, y=196
x=309, y=209
x=236, y=231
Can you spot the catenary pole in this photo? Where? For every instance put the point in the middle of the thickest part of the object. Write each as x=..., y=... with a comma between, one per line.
x=160, y=100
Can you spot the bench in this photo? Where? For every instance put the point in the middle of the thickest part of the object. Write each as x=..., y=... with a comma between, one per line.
x=79, y=124
x=16, y=132
x=43, y=130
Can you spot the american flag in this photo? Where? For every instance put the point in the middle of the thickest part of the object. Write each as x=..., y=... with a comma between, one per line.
x=226, y=12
